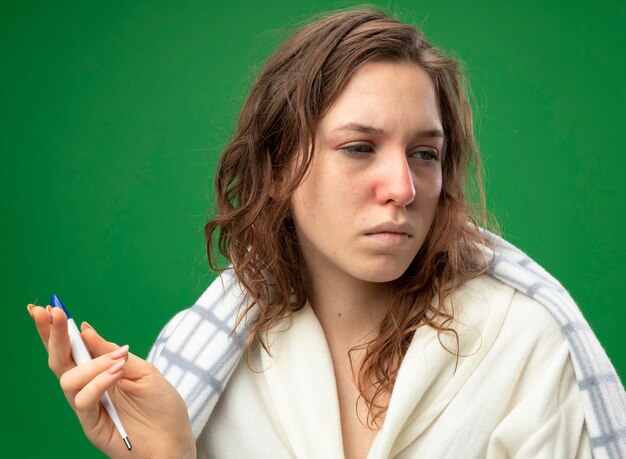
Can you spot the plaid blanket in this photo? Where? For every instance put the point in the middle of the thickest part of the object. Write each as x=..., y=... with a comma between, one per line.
x=197, y=352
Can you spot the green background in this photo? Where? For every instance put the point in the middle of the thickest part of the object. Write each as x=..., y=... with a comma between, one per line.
x=113, y=115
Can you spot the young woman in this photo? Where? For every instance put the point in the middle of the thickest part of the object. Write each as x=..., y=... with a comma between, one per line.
x=375, y=316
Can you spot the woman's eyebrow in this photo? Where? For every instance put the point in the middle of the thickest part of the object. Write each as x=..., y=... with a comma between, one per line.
x=368, y=129
x=362, y=128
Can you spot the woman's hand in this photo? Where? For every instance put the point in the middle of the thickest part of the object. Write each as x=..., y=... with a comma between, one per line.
x=152, y=412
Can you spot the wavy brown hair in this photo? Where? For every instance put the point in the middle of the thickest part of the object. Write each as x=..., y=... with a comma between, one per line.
x=270, y=153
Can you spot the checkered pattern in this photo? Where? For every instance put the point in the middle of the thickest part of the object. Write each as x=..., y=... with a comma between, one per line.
x=197, y=352
x=603, y=396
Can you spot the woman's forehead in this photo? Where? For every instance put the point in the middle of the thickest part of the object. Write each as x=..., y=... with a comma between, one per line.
x=382, y=96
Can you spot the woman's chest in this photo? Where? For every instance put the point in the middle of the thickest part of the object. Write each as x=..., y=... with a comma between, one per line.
x=356, y=429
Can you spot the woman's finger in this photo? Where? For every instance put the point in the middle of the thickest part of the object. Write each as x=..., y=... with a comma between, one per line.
x=86, y=400
x=75, y=379
x=59, y=355
x=135, y=366
x=96, y=344
x=42, y=322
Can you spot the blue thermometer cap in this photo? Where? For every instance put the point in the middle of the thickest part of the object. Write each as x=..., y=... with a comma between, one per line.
x=56, y=303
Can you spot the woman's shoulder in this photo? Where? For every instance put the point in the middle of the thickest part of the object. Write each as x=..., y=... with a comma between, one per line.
x=536, y=298
x=487, y=295
x=488, y=312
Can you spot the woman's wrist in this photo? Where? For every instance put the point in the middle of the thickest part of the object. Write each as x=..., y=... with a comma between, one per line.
x=177, y=452
x=186, y=450
x=172, y=449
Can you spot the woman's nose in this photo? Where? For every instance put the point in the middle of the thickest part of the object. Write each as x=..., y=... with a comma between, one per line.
x=395, y=181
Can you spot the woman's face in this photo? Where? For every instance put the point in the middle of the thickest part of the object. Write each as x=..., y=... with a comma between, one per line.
x=369, y=199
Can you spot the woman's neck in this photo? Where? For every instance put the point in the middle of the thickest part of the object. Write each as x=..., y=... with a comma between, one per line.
x=350, y=311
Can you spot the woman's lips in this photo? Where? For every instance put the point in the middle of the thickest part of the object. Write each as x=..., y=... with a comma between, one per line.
x=388, y=238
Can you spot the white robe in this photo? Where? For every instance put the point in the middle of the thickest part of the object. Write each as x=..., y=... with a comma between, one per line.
x=199, y=350
x=514, y=393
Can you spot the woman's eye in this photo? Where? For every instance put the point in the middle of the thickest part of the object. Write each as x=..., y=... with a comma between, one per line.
x=357, y=150
x=426, y=155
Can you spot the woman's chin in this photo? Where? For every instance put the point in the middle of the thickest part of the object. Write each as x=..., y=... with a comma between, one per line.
x=381, y=274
